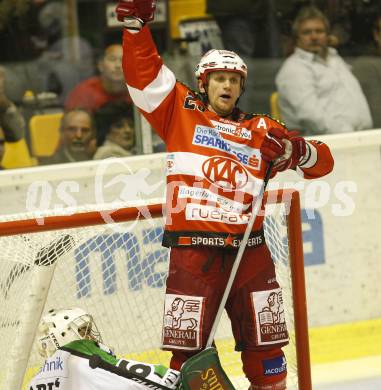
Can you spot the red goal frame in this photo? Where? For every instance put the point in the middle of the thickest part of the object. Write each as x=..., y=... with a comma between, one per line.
x=294, y=226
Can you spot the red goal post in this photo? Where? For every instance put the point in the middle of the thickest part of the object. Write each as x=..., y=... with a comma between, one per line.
x=117, y=273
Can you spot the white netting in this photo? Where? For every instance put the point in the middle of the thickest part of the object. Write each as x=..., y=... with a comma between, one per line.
x=117, y=273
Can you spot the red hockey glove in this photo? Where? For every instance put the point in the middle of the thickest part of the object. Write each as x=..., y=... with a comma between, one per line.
x=143, y=10
x=299, y=149
x=285, y=149
x=273, y=146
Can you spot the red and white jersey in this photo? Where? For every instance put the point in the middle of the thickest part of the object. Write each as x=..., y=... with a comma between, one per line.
x=214, y=165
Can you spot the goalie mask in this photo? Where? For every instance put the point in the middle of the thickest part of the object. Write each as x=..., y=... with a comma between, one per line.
x=61, y=327
x=223, y=60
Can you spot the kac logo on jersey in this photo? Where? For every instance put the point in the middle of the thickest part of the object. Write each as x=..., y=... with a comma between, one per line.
x=225, y=173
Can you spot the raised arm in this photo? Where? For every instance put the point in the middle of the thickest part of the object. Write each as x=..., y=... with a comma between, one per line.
x=150, y=83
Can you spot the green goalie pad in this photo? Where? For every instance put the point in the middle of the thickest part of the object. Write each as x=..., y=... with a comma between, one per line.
x=204, y=371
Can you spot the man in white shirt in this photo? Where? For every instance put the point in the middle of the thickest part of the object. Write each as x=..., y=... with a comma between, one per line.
x=317, y=92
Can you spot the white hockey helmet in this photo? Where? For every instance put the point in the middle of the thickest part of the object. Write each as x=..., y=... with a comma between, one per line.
x=60, y=327
x=215, y=60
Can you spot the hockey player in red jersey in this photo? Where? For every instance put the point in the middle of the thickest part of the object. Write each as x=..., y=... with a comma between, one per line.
x=217, y=158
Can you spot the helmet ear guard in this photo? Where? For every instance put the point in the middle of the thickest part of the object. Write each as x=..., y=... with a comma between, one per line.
x=61, y=327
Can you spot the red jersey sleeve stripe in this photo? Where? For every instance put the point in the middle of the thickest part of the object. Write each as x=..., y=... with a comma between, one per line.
x=323, y=165
x=155, y=92
x=311, y=156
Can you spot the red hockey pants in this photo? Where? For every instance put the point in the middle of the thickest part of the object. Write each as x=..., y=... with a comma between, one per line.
x=254, y=306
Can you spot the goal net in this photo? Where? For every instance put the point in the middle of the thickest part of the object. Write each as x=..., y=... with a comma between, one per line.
x=112, y=264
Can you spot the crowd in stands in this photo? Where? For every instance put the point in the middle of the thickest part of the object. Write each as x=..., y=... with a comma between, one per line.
x=66, y=59
x=327, y=74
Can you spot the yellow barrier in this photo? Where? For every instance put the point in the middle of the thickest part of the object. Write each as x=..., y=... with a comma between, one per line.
x=44, y=134
x=16, y=155
x=182, y=10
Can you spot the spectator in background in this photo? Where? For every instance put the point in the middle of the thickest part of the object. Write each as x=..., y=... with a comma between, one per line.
x=367, y=69
x=255, y=28
x=77, y=138
x=109, y=86
x=18, y=25
x=12, y=123
x=67, y=58
x=235, y=19
x=318, y=94
x=115, y=130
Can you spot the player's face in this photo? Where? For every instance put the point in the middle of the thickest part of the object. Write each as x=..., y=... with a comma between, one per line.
x=224, y=88
x=312, y=36
x=85, y=332
x=77, y=134
x=111, y=65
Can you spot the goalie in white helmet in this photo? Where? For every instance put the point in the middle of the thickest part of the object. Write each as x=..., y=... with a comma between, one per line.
x=77, y=360
x=58, y=328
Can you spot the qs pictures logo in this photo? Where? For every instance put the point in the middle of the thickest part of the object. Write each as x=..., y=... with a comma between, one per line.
x=129, y=187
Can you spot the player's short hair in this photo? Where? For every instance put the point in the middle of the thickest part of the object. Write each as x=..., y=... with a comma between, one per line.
x=308, y=13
